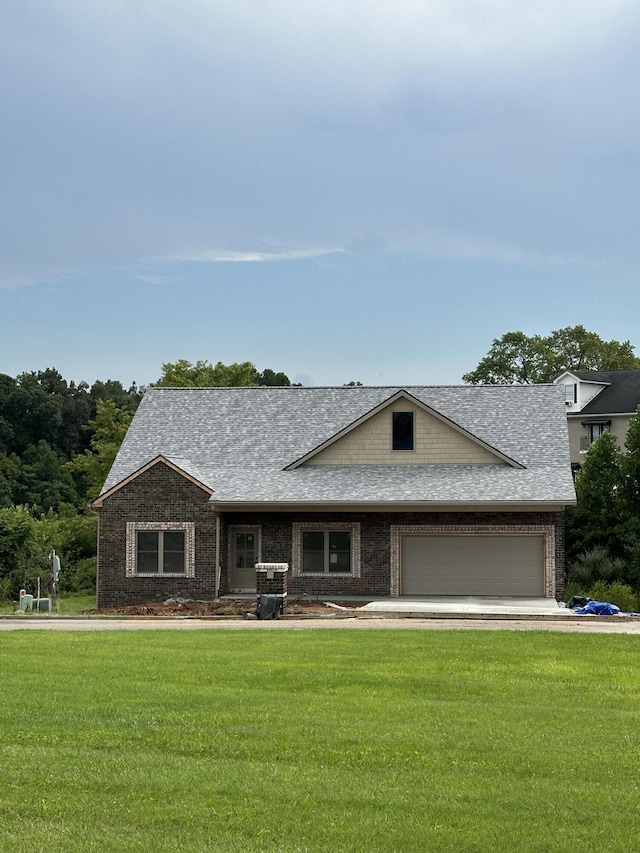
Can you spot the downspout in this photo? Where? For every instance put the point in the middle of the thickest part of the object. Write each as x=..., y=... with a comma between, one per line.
x=217, y=582
x=97, y=515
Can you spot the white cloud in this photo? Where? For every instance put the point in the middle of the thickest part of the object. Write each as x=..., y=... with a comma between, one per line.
x=372, y=45
x=252, y=256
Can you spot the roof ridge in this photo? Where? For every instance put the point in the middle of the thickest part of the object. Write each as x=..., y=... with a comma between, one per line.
x=397, y=387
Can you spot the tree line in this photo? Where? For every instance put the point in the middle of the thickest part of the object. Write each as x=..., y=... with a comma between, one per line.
x=58, y=440
x=47, y=425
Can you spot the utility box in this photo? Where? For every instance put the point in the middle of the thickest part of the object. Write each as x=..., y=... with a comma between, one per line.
x=42, y=605
x=26, y=602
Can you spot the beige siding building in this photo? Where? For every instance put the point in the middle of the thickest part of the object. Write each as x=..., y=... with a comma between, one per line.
x=598, y=401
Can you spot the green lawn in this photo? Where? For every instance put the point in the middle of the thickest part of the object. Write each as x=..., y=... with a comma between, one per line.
x=319, y=741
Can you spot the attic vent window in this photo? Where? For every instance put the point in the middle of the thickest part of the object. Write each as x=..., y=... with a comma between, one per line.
x=403, y=433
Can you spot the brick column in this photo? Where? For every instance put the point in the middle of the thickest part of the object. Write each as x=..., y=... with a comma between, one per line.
x=272, y=580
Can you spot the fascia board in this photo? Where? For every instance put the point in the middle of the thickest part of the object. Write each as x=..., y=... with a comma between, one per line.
x=566, y=373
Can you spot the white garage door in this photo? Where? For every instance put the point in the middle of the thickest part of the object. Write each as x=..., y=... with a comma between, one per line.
x=472, y=565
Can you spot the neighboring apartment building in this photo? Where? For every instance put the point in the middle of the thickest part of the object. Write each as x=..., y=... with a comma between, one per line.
x=598, y=401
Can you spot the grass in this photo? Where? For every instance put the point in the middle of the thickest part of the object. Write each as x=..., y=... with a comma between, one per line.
x=289, y=741
x=67, y=605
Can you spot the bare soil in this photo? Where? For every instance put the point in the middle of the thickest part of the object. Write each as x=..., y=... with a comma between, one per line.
x=221, y=607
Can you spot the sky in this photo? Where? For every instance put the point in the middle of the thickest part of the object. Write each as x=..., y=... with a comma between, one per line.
x=337, y=189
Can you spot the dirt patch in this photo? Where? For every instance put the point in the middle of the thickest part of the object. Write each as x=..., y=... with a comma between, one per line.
x=221, y=607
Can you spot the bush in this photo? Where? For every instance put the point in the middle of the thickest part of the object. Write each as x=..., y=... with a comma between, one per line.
x=615, y=593
x=22, y=559
x=595, y=565
x=79, y=577
x=26, y=542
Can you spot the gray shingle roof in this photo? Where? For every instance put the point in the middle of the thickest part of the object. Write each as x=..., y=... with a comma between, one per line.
x=237, y=441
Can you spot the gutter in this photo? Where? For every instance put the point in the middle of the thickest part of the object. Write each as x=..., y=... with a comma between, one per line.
x=584, y=414
x=391, y=506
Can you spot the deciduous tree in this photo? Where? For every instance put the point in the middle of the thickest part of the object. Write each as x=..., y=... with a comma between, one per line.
x=604, y=516
x=516, y=358
x=203, y=374
x=108, y=430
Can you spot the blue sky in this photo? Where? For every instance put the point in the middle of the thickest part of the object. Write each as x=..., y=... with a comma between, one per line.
x=339, y=190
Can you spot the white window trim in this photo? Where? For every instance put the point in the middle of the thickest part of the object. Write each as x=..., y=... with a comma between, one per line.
x=296, y=562
x=548, y=531
x=571, y=393
x=189, y=529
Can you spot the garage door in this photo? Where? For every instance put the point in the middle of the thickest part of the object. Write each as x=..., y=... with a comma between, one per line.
x=472, y=565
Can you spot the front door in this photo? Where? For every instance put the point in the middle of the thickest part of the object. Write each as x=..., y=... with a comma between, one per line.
x=244, y=556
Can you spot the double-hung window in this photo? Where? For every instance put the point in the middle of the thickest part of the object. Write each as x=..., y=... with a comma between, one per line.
x=330, y=548
x=160, y=552
x=571, y=393
x=594, y=430
x=326, y=551
x=165, y=548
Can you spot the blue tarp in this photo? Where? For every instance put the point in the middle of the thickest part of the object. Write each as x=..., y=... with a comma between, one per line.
x=598, y=608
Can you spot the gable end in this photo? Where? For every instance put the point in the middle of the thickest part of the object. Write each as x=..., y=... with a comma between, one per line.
x=97, y=503
x=438, y=440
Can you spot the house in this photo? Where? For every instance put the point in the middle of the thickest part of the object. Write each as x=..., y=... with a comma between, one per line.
x=597, y=401
x=363, y=491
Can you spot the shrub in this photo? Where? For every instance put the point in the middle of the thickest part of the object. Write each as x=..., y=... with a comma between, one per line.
x=79, y=576
x=22, y=559
x=595, y=565
x=615, y=593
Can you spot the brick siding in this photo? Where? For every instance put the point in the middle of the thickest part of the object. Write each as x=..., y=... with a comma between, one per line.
x=162, y=495
x=159, y=495
x=375, y=547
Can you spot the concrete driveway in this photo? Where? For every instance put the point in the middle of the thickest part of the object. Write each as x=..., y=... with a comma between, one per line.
x=468, y=605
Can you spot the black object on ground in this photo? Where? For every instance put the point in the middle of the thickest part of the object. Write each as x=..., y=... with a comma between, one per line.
x=270, y=606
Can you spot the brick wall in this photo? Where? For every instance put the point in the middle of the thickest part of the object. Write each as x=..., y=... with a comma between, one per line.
x=375, y=539
x=160, y=495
